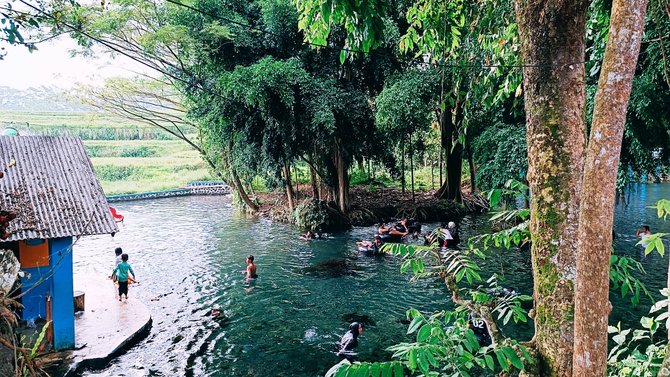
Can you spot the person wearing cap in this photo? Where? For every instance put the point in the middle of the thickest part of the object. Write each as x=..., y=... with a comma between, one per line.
x=349, y=342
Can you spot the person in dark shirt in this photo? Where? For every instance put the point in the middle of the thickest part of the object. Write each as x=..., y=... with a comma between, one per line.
x=349, y=342
x=478, y=326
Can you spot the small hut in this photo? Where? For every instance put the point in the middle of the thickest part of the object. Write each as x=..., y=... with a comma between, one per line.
x=50, y=183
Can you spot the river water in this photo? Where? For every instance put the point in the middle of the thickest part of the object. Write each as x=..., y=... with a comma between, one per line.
x=188, y=254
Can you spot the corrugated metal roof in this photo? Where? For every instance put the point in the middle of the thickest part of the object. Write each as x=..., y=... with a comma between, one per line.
x=50, y=182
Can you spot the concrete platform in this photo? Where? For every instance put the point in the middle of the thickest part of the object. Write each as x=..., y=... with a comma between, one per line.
x=107, y=328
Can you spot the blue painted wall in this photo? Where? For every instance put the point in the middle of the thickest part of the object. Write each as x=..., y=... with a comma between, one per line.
x=34, y=301
x=62, y=293
x=59, y=286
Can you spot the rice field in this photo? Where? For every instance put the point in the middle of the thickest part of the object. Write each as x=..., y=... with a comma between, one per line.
x=127, y=157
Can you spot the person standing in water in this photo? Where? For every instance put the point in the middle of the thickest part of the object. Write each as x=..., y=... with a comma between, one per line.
x=643, y=233
x=251, y=268
x=121, y=272
x=349, y=342
x=118, y=251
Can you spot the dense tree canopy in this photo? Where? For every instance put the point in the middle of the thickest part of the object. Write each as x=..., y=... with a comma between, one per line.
x=375, y=79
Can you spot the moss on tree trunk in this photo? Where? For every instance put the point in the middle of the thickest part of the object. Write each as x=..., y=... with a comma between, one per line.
x=552, y=39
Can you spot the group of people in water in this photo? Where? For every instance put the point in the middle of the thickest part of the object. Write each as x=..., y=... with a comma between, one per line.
x=445, y=236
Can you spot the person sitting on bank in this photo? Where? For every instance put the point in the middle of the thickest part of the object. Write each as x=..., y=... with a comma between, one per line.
x=643, y=233
x=349, y=342
x=251, y=269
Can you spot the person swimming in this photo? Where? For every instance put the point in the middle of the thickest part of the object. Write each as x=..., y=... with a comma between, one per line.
x=251, y=268
x=371, y=247
x=349, y=342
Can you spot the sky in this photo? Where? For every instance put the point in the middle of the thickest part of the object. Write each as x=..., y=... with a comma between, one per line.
x=51, y=65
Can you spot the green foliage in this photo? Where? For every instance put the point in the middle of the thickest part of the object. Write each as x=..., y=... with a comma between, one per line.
x=318, y=216
x=385, y=369
x=362, y=22
x=140, y=151
x=641, y=355
x=637, y=353
x=444, y=343
x=655, y=241
x=15, y=21
x=117, y=173
x=622, y=269
x=501, y=154
x=406, y=103
x=25, y=362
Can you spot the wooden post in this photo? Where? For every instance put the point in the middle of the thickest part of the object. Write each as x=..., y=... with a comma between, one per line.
x=79, y=301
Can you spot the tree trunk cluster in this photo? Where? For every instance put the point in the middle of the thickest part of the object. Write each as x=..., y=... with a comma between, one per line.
x=572, y=185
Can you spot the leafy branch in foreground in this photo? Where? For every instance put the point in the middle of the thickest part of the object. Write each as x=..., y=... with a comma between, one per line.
x=639, y=354
x=445, y=343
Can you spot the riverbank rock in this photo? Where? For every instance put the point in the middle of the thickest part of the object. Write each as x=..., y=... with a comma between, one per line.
x=320, y=216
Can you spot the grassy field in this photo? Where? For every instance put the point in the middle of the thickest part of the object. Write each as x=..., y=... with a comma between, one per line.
x=129, y=166
x=127, y=157
x=86, y=125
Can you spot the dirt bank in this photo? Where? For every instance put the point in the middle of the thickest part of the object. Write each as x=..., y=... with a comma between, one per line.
x=368, y=207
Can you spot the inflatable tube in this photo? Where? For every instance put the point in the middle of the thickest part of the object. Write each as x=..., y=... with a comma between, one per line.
x=389, y=238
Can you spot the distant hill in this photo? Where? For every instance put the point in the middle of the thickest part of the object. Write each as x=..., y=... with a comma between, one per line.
x=40, y=99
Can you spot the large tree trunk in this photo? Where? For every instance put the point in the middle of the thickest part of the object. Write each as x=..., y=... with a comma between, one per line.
x=289, y=187
x=599, y=187
x=342, y=179
x=411, y=166
x=441, y=153
x=313, y=183
x=451, y=187
x=552, y=36
x=241, y=192
x=471, y=164
x=402, y=166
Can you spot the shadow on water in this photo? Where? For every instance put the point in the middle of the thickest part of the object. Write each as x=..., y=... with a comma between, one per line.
x=331, y=268
x=188, y=253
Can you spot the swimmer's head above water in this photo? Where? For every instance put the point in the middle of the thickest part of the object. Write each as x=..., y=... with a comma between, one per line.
x=356, y=328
